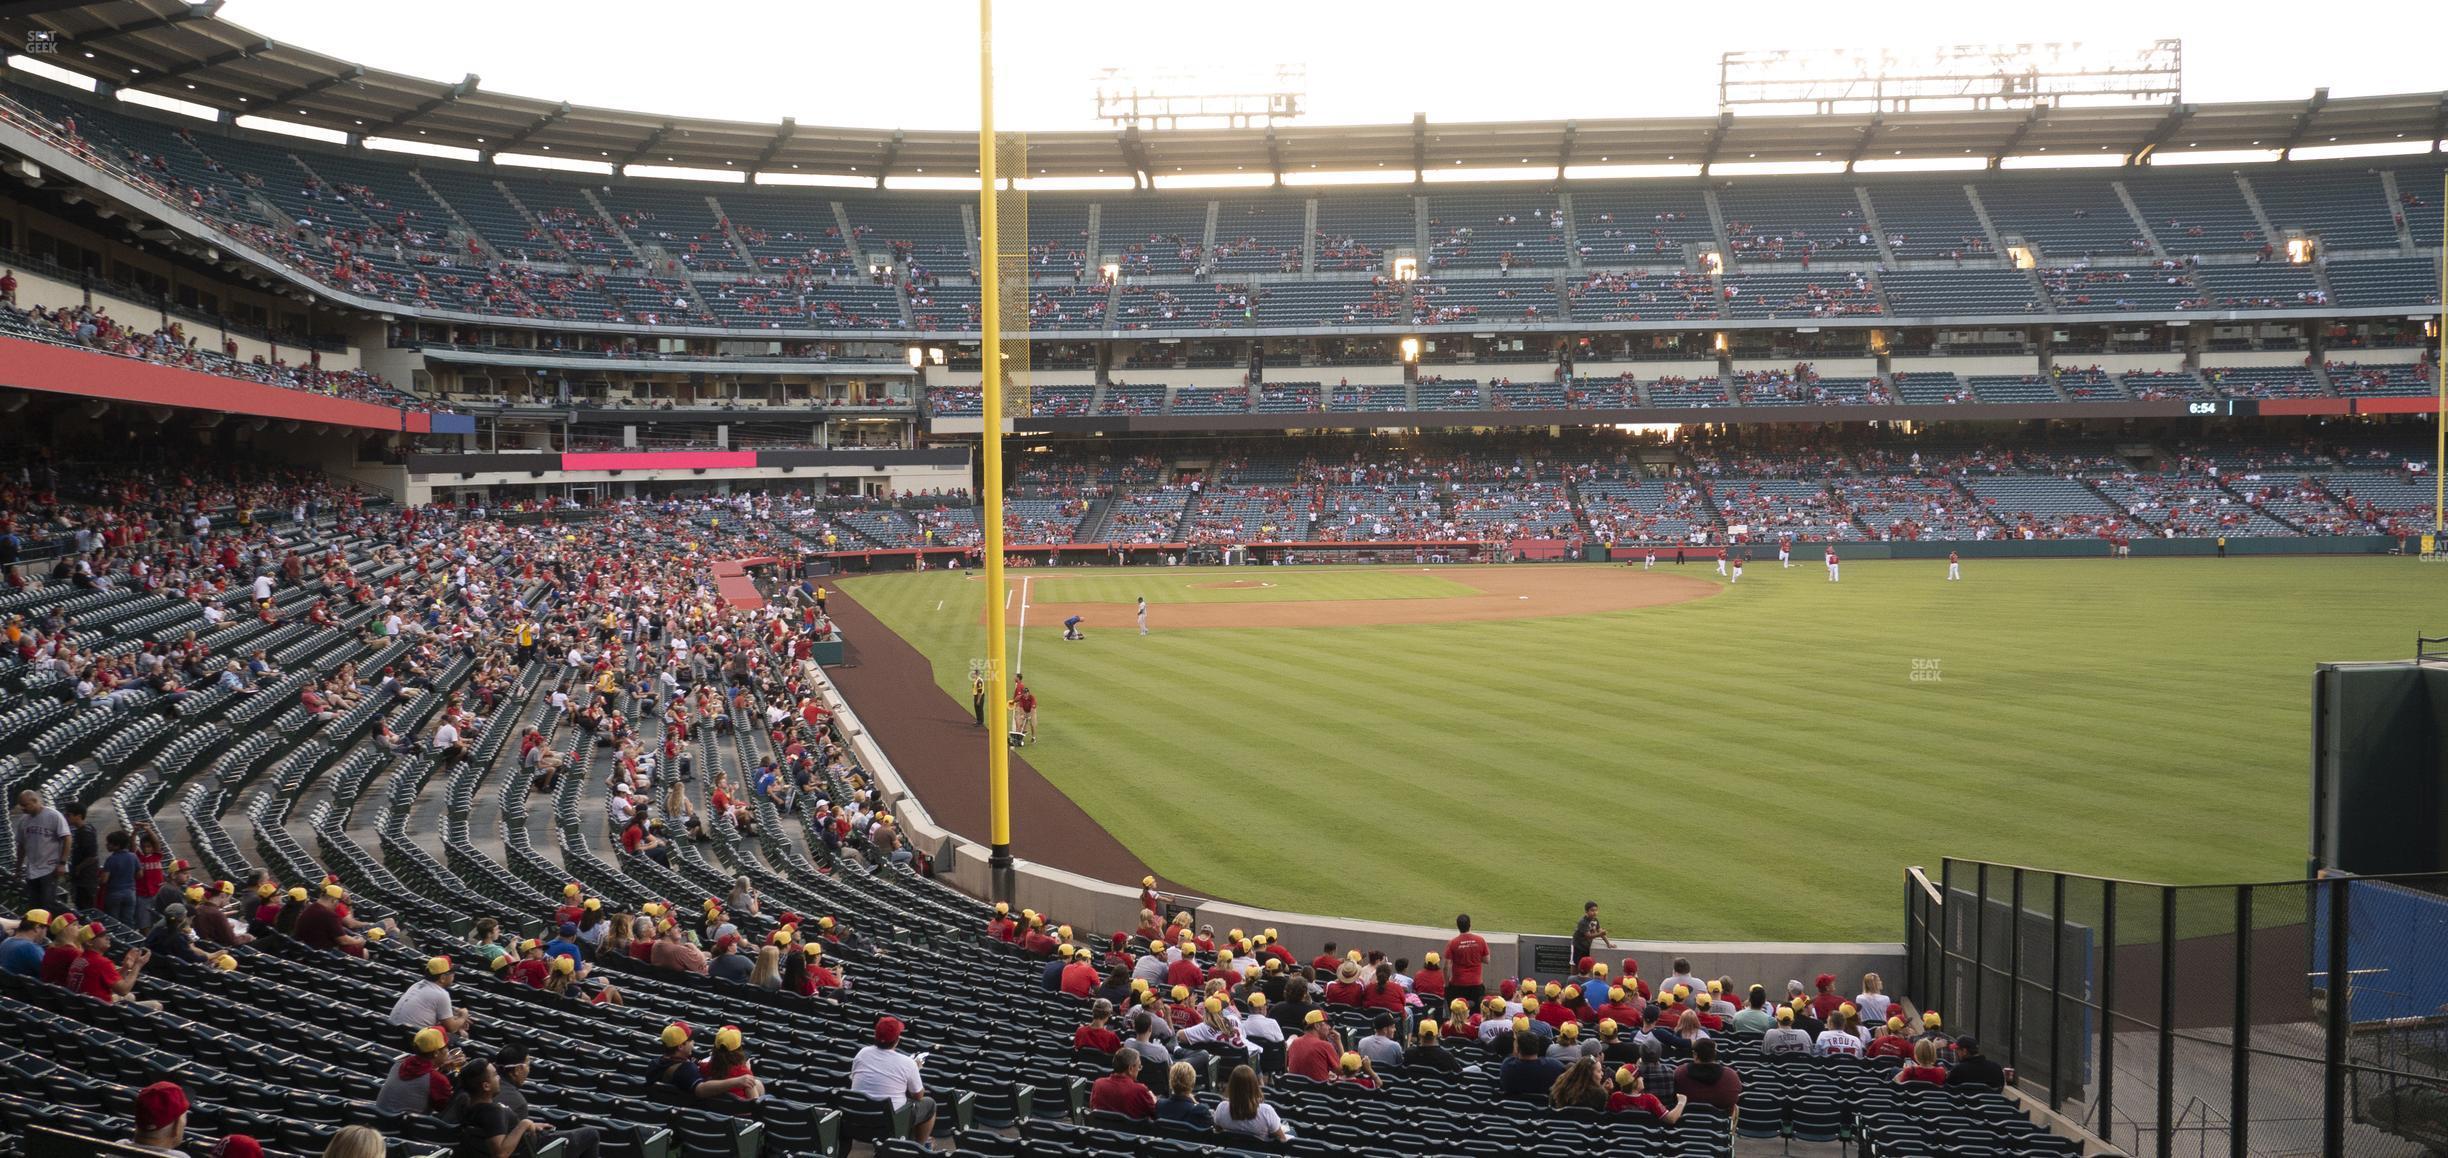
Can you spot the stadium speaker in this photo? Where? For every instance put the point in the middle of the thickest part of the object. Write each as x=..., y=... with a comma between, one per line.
x=615, y=474
x=699, y=470
x=535, y=474
x=788, y=469
x=467, y=474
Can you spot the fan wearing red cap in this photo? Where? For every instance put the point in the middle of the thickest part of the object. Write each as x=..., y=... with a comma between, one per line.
x=679, y=1071
x=110, y=982
x=161, y=1117
x=883, y=1071
x=1827, y=1000
x=237, y=1146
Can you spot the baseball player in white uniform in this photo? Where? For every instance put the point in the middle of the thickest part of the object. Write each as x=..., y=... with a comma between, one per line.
x=1737, y=570
x=1831, y=561
x=1143, y=615
x=1721, y=562
x=1785, y=553
x=1954, y=567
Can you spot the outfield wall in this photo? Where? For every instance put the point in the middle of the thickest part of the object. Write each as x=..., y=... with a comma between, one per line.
x=1107, y=905
x=1809, y=550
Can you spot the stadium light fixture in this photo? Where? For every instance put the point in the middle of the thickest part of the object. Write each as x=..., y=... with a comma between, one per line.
x=1410, y=350
x=2300, y=250
x=1406, y=269
x=917, y=356
x=935, y=355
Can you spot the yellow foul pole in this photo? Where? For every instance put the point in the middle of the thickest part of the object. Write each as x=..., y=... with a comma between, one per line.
x=2439, y=371
x=990, y=352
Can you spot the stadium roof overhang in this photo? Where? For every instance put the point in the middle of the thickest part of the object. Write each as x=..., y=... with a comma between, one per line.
x=183, y=50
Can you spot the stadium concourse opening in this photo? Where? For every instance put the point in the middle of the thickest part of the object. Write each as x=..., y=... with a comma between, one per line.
x=1482, y=593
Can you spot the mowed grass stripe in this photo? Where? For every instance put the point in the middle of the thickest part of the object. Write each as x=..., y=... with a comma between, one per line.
x=1766, y=746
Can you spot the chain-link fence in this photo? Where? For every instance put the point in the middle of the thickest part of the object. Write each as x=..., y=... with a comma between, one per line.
x=2200, y=1020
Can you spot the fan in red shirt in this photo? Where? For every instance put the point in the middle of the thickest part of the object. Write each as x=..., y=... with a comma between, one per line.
x=531, y=969
x=1002, y=927
x=1316, y=1053
x=1181, y=970
x=1098, y=1035
x=1892, y=1043
x=1035, y=942
x=1828, y=999
x=1631, y=1094
x=66, y=949
x=1121, y=1092
x=1429, y=982
x=1383, y=994
x=572, y=909
x=1345, y=989
x=1079, y=978
x=1326, y=962
x=1924, y=1067
x=1465, y=956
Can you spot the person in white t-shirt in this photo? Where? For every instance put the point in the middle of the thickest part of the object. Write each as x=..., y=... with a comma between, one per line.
x=881, y=1071
x=447, y=742
x=263, y=588
x=1842, y=1037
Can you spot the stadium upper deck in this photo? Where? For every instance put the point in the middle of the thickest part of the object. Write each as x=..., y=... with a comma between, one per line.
x=485, y=242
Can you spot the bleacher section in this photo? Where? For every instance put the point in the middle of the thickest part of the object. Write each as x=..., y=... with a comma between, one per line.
x=2344, y=210
x=1766, y=222
x=1481, y=231
x=1358, y=232
x=2198, y=212
x=1929, y=221
x=1259, y=234
x=2066, y=216
x=1927, y=292
x=1150, y=235
x=2410, y=281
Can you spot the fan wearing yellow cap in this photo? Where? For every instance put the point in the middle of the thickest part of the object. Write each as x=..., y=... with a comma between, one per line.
x=325, y=923
x=428, y=1002
x=729, y=1061
x=1317, y=1054
x=1630, y=1092
x=679, y=1072
x=420, y=1081
x=1001, y=926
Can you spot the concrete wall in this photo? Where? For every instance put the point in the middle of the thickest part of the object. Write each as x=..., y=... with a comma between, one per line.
x=2010, y=364
x=900, y=478
x=2122, y=363
x=1087, y=903
x=2253, y=358
x=1647, y=371
x=1827, y=367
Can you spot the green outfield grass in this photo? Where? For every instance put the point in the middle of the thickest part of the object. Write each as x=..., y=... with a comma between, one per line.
x=1193, y=585
x=1757, y=765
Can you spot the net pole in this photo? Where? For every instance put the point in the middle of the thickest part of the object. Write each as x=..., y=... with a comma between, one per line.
x=990, y=349
x=2439, y=375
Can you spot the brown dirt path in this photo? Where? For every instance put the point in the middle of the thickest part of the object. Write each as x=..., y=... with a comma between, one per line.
x=941, y=754
x=1524, y=592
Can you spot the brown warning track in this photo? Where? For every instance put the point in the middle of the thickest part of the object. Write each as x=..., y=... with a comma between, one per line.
x=941, y=755
x=1527, y=592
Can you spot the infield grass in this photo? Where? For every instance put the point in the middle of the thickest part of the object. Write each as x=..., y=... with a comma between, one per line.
x=1758, y=764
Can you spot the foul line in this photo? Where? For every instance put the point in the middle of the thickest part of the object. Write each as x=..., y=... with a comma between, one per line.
x=1022, y=648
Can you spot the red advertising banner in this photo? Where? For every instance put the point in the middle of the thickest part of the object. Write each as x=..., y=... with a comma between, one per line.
x=658, y=459
x=87, y=374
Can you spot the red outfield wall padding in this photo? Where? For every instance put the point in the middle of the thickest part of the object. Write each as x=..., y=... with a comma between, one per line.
x=658, y=460
x=58, y=370
x=2415, y=404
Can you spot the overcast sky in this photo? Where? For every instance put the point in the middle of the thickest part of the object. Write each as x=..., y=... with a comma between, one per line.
x=912, y=63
